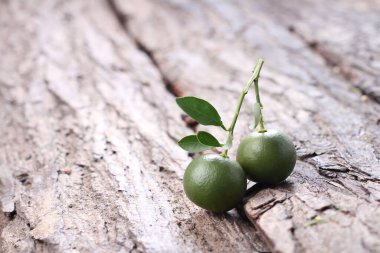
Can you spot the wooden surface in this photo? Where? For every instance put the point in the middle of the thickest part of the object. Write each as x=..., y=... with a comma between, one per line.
x=88, y=154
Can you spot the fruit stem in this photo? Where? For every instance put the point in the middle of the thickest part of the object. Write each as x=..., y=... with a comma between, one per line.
x=254, y=79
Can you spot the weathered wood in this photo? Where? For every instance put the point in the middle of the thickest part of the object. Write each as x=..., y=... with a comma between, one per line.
x=208, y=49
x=89, y=161
x=344, y=33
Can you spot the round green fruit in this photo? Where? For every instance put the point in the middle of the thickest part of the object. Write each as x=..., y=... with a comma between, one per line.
x=215, y=183
x=267, y=157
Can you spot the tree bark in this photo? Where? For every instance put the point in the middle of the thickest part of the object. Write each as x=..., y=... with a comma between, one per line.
x=331, y=201
x=89, y=160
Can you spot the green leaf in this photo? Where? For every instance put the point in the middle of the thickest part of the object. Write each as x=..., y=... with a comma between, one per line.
x=191, y=144
x=228, y=144
x=200, y=110
x=256, y=114
x=208, y=139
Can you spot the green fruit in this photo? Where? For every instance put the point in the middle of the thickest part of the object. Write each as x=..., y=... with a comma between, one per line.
x=267, y=157
x=215, y=183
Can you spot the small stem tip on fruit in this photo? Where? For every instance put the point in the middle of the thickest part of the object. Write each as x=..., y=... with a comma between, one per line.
x=254, y=79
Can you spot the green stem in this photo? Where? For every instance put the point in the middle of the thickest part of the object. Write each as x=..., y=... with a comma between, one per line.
x=261, y=127
x=254, y=79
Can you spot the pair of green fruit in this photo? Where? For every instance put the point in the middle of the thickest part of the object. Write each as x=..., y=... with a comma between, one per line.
x=218, y=184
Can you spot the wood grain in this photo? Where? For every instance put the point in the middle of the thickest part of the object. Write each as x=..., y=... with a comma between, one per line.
x=331, y=201
x=89, y=160
x=344, y=34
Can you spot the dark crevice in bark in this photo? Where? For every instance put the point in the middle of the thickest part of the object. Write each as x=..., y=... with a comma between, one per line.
x=170, y=86
x=10, y=216
x=332, y=62
x=264, y=208
x=314, y=46
x=336, y=167
x=268, y=205
x=308, y=156
x=123, y=21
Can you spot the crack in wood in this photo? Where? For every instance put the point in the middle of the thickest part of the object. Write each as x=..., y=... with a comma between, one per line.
x=312, y=178
x=336, y=65
x=89, y=166
x=123, y=18
x=170, y=86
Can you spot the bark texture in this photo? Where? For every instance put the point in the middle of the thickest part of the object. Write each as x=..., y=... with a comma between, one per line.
x=89, y=161
x=88, y=154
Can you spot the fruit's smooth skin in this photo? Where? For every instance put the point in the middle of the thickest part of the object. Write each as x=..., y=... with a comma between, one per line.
x=267, y=157
x=215, y=183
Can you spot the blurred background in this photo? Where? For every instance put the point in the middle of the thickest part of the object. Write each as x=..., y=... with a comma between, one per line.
x=89, y=160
